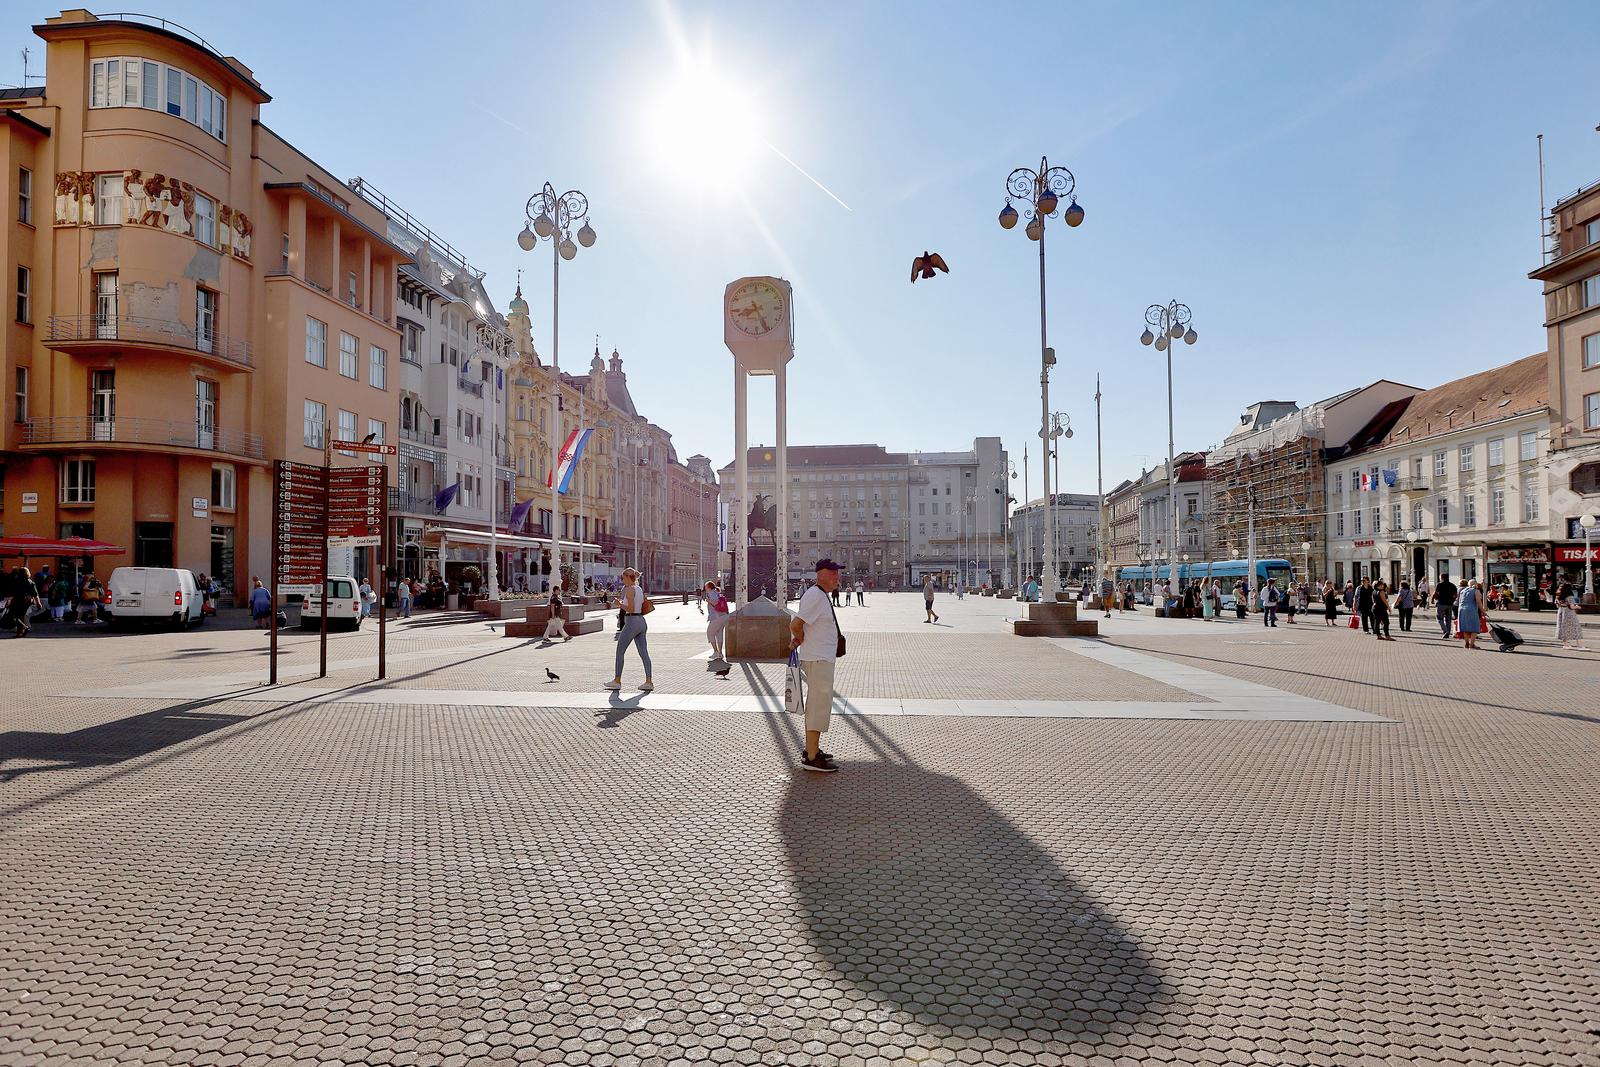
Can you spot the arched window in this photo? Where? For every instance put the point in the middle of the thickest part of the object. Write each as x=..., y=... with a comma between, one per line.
x=405, y=413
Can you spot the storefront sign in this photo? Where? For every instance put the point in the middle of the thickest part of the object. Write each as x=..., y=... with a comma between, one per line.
x=1520, y=555
x=30, y=498
x=1576, y=554
x=1368, y=543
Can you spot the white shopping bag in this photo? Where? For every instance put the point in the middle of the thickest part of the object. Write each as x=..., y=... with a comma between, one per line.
x=794, y=686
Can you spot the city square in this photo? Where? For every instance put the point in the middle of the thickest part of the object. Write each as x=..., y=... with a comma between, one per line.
x=1162, y=629
x=1183, y=842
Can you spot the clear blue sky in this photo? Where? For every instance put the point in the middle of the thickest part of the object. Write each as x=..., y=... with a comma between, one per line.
x=1340, y=192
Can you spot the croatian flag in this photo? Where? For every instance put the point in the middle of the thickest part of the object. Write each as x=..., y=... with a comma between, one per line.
x=1366, y=483
x=567, y=462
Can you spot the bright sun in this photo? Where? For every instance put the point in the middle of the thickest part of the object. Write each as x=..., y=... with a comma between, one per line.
x=702, y=128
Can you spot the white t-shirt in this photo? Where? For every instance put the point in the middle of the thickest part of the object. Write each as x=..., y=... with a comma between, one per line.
x=632, y=599
x=822, y=634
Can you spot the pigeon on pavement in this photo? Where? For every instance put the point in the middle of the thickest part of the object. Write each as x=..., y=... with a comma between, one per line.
x=551, y=675
x=723, y=673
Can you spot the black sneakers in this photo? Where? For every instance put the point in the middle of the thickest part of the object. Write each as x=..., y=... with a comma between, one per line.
x=823, y=763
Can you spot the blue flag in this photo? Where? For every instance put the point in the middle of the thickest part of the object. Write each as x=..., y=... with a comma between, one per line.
x=443, y=497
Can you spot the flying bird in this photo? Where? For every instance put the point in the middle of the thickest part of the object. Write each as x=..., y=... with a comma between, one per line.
x=371, y=437
x=551, y=675
x=925, y=264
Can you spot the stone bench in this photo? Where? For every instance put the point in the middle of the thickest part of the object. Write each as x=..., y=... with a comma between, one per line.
x=1054, y=620
x=537, y=616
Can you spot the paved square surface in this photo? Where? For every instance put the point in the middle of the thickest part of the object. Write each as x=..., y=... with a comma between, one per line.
x=195, y=870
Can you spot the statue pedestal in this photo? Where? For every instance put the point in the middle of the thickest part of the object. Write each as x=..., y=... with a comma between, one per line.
x=758, y=633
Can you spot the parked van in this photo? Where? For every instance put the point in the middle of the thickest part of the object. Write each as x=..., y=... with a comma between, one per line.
x=137, y=594
x=344, y=605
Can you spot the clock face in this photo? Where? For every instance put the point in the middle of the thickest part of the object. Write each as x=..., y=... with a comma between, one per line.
x=756, y=308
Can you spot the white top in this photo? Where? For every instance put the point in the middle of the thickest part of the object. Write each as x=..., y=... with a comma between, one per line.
x=632, y=599
x=822, y=633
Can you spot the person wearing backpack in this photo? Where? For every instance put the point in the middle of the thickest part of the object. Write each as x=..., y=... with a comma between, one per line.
x=716, y=620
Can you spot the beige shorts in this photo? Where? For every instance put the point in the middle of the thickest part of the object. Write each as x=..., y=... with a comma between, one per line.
x=819, y=693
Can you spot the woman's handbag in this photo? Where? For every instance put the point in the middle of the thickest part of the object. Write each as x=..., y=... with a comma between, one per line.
x=649, y=606
x=1354, y=622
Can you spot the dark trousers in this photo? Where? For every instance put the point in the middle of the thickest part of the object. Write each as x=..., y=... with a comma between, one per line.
x=1380, y=623
x=1366, y=620
x=1405, y=620
x=1269, y=615
x=1447, y=616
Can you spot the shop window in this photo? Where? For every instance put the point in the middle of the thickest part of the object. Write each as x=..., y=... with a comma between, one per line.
x=223, y=487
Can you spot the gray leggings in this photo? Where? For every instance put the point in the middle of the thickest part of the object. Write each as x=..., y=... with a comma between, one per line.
x=633, y=630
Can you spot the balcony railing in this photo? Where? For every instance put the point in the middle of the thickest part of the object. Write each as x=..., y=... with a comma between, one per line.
x=149, y=330
x=467, y=385
x=422, y=437
x=402, y=502
x=89, y=430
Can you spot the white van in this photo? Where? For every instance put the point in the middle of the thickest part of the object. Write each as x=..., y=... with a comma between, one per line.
x=344, y=605
x=153, y=593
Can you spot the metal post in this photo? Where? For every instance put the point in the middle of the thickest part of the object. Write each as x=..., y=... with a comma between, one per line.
x=780, y=588
x=494, y=495
x=741, y=479
x=1172, y=471
x=322, y=582
x=1055, y=513
x=1100, y=490
x=555, y=416
x=1250, y=573
x=1052, y=581
x=383, y=582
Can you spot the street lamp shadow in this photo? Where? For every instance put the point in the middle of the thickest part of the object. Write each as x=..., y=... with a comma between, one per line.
x=929, y=901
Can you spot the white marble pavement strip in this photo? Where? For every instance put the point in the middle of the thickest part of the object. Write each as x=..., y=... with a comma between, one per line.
x=1283, y=710
x=1227, y=692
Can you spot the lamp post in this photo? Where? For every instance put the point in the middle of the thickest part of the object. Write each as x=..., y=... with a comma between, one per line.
x=1170, y=322
x=1587, y=522
x=1305, y=546
x=1041, y=192
x=551, y=217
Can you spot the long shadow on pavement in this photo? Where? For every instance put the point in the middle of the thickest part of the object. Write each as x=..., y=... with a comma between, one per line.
x=109, y=742
x=929, y=901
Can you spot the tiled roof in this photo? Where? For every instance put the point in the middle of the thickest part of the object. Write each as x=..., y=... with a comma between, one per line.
x=1488, y=396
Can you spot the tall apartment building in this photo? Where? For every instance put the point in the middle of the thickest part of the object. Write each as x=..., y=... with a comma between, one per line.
x=1570, y=274
x=883, y=515
x=1122, y=518
x=1270, y=473
x=1450, y=481
x=956, y=514
x=1076, y=518
x=643, y=457
x=192, y=297
x=454, y=468
x=692, y=521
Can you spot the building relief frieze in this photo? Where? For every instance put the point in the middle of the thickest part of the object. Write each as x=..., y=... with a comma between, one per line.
x=155, y=201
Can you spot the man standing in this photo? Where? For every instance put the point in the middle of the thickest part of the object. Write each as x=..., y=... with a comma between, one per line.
x=927, y=598
x=814, y=635
x=1108, y=592
x=1444, y=598
x=1269, y=603
x=861, y=594
x=402, y=599
x=1364, y=597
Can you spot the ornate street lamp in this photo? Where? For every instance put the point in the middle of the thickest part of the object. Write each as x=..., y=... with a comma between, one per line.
x=551, y=217
x=1170, y=323
x=1040, y=192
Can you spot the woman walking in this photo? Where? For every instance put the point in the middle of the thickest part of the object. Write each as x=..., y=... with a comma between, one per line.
x=1406, y=601
x=1380, y=612
x=634, y=605
x=1330, y=604
x=716, y=620
x=1569, y=630
x=1469, y=613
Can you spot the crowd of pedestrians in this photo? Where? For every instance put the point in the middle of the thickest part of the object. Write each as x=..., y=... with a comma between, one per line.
x=27, y=597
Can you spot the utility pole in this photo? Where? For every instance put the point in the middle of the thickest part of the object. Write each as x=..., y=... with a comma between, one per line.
x=1100, y=491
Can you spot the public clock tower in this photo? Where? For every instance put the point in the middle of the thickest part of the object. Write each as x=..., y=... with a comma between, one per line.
x=758, y=328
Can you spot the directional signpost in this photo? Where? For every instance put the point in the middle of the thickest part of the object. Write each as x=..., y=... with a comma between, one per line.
x=313, y=507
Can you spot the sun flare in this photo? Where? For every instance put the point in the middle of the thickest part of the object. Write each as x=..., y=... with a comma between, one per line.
x=702, y=127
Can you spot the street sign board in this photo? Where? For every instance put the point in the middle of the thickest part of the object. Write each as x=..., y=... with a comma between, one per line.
x=361, y=446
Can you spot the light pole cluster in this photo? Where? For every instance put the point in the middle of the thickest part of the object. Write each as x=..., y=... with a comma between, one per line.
x=551, y=217
x=1041, y=192
x=1170, y=322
